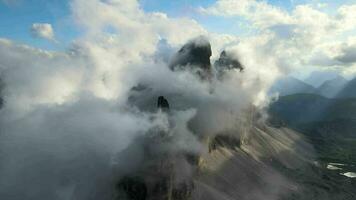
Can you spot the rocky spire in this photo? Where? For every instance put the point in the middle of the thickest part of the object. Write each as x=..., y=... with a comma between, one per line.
x=194, y=55
x=162, y=103
x=227, y=62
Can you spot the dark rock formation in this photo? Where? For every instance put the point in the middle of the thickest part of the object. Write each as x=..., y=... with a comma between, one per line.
x=132, y=188
x=194, y=55
x=349, y=90
x=227, y=62
x=159, y=171
x=162, y=103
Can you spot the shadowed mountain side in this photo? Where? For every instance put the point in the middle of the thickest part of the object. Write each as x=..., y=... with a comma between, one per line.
x=349, y=90
x=331, y=131
x=331, y=88
x=227, y=62
x=306, y=108
x=194, y=55
x=252, y=161
x=246, y=167
x=274, y=164
x=227, y=174
x=317, y=78
x=290, y=85
x=162, y=103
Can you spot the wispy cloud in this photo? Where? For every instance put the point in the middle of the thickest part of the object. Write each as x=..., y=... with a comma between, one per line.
x=43, y=30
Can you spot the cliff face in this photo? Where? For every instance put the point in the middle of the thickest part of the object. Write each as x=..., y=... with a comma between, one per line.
x=227, y=62
x=195, y=53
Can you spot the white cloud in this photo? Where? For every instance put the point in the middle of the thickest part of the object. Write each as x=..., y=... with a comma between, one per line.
x=43, y=30
x=35, y=77
x=260, y=13
x=298, y=34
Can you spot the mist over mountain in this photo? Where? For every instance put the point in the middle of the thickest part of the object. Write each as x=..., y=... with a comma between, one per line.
x=317, y=78
x=119, y=100
x=194, y=137
x=290, y=85
x=332, y=88
x=337, y=87
x=348, y=90
x=195, y=53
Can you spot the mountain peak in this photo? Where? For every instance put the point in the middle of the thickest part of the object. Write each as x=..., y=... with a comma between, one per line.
x=349, y=90
x=317, y=78
x=291, y=85
x=194, y=55
x=332, y=87
x=227, y=62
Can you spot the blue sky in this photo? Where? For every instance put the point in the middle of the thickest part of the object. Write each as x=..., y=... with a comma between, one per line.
x=17, y=18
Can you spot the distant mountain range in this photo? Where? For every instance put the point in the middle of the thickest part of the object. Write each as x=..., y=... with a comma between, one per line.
x=331, y=88
x=317, y=78
x=306, y=108
x=349, y=90
x=326, y=115
x=290, y=85
x=338, y=87
x=329, y=124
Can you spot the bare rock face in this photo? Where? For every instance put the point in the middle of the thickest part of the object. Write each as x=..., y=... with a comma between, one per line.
x=195, y=55
x=227, y=62
x=132, y=188
x=162, y=103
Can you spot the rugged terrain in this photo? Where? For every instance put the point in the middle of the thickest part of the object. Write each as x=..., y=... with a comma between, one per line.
x=251, y=160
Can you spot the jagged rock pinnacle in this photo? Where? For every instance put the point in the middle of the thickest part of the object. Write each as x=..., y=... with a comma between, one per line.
x=162, y=103
x=227, y=62
x=194, y=55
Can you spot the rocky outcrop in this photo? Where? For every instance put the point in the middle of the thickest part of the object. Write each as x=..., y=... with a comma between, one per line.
x=195, y=56
x=132, y=188
x=227, y=62
x=161, y=174
x=162, y=104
